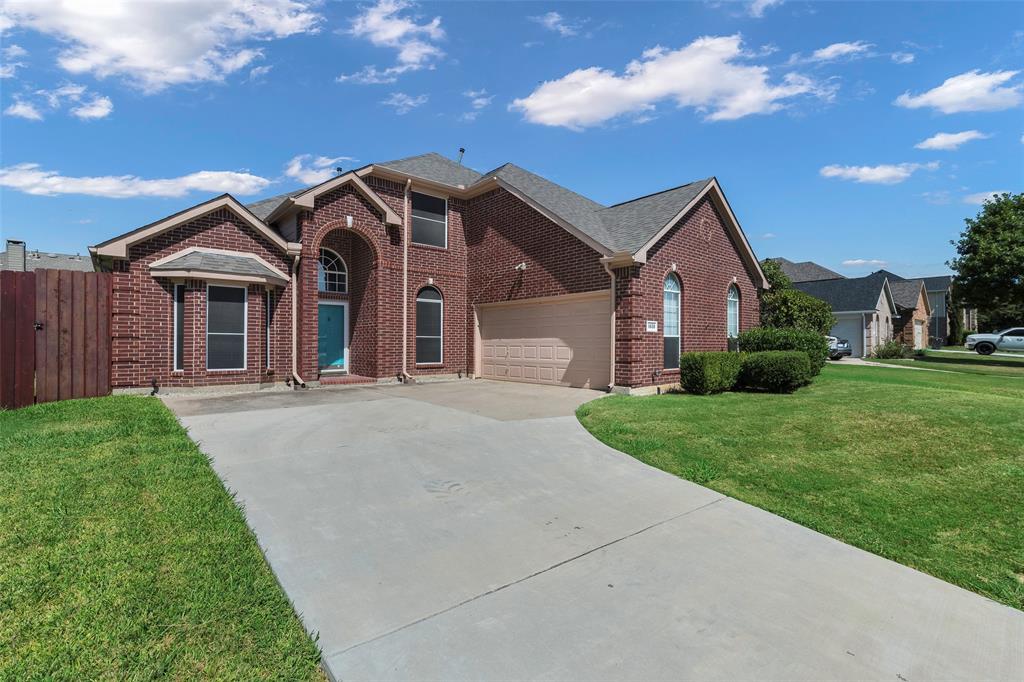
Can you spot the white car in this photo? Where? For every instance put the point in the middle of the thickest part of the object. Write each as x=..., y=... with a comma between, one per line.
x=986, y=344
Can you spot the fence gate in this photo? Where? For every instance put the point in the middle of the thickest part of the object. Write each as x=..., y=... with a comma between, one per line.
x=54, y=336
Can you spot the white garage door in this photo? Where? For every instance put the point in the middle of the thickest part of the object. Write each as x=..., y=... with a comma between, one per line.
x=563, y=341
x=852, y=329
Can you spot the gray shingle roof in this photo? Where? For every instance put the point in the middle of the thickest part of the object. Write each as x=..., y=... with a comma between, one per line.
x=264, y=207
x=939, y=283
x=622, y=227
x=39, y=260
x=806, y=271
x=847, y=294
x=905, y=292
x=434, y=167
x=218, y=262
x=632, y=223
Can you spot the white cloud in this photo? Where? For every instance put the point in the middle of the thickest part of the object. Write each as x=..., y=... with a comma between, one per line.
x=385, y=25
x=939, y=197
x=768, y=235
x=404, y=103
x=971, y=91
x=158, y=44
x=30, y=105
x=10, y=55
x=553, y=21
x=757, y=7
x=317, y=170
x=840, y=50
x=97, y=107
x=23, y=109
x=950, y=141
x=862, y=262
x=258, y=73
x=902, y=57
x=30, y=178
x=885, y=174
x=979, y=198
x=478, y=100
x=707, y=74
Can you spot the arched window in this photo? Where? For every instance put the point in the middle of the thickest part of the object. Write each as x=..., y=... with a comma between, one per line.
x=733, y=310
x=670, y=322
x=429, y=322
x=331, y=273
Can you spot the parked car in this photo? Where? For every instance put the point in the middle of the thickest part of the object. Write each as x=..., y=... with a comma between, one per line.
x=986, y=344
x=838, y=348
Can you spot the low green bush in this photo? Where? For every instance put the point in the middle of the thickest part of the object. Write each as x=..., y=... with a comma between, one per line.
x=771, y=338
x=775, y=371
x=890, y=350
x=708, y=372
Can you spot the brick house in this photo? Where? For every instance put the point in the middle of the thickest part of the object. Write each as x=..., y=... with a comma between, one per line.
x=423, y=267
x=913, y=311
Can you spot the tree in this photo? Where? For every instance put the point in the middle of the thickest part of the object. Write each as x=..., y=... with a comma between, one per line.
x=989, y=265
x=784, y=307
x=775, y=276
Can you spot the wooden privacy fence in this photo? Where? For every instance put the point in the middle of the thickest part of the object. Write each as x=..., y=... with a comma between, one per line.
x=54, y=336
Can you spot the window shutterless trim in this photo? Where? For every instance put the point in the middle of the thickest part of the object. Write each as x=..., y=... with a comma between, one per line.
x=678, y=336
x=412, y=199
x=340, y=272
x=245, y=328
x=178, y=312
x=732, y=294
x=440, y=302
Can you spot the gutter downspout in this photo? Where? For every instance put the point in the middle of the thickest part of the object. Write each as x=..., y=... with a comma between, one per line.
x=611, y=274
x=405, y=287
x=295, y=323
x=864, y=335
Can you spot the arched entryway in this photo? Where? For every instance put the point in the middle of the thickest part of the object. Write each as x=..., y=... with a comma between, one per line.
x=346, y=305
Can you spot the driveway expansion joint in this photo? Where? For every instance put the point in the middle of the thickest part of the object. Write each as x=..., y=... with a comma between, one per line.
x=512, y=583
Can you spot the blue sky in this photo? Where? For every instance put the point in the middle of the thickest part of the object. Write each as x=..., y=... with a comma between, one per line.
x=841, y=132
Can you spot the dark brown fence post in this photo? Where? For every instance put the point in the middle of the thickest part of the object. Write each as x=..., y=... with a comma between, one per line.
x=17, y=345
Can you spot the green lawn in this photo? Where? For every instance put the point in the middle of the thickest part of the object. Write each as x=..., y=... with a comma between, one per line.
x=925, y=468
x=967, y=363
x=123, y=557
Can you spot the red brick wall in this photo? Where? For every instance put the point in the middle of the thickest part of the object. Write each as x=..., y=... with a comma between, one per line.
x=903, y=325
x=143, y=308
x=707, y=261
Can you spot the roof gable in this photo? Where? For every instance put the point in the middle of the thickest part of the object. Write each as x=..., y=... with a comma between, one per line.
x=118, y=246
x=307, y=198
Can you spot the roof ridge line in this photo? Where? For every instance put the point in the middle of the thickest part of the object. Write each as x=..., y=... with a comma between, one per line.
x=654, y=194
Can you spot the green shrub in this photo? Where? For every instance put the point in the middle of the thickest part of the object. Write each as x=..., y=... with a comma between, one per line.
x=708, y=372
x=770, y=338
x=794, y=309
x=890, y=350
x=775, y=371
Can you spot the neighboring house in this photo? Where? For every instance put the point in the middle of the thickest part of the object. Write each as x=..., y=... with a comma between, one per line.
x=864, y=308
x=18, y=257
x=913, y=311
x=423, y=267
x=806, y=271
x=945, y=308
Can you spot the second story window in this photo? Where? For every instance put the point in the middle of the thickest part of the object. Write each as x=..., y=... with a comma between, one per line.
x=429, y=220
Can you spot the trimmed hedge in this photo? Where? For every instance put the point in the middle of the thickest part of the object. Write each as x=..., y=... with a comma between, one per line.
x=708, y=372
x=769, y=338
x=775, y=371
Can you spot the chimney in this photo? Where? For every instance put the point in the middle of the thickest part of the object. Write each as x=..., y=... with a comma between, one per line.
x=15, y=255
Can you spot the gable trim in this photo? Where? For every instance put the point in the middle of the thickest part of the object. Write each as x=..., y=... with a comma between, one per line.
x=222, y=252
x=308, y=198
x=118, y=246
x=732, y=225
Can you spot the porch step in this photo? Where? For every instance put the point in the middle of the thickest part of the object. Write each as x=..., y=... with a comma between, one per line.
x=345, y=379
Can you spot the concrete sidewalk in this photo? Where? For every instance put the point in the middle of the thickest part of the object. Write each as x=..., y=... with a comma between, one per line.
x=477, y=531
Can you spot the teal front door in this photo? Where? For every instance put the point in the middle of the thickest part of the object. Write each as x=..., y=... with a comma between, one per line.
x=331, y=340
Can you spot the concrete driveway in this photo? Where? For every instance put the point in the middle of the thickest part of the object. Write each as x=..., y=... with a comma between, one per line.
x=474, y=530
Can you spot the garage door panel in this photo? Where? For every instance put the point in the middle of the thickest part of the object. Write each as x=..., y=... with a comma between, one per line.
x=555, y=342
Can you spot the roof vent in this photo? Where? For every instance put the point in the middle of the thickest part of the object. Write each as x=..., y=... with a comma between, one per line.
x=462, y=150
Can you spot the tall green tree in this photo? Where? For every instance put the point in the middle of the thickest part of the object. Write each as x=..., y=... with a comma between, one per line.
x=783, y=307
x=989, y=265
